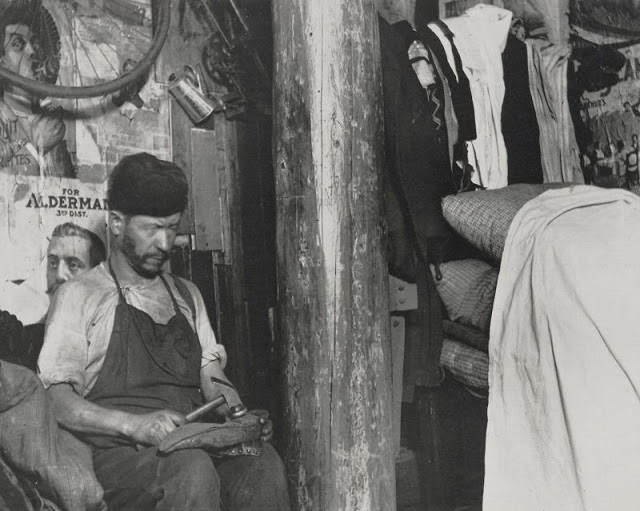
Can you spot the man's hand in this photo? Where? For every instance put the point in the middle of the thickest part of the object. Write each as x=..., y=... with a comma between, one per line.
x=151, y=428
x=265, y=422
x=47, y=130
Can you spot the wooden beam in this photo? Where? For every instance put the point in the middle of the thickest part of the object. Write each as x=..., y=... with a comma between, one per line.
x=205, y=191
x=332, y=275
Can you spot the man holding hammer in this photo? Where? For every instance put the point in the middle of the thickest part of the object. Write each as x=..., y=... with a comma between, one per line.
x=129, y=353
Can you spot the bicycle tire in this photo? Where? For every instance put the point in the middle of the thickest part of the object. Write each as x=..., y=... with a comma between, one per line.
x=102, y=89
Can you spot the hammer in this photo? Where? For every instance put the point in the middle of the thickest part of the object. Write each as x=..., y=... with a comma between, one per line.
x=234, y=411
x=229, y=396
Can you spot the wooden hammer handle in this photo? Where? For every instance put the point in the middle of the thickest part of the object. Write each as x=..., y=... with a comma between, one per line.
x=201, y=410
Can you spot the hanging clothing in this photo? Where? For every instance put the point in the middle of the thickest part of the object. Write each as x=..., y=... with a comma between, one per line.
x=519, y=123
x=424, y=64
x=564, y=361
x=440, y=40
x=548, y=83
x=418, y=175
x=416, y=150
x=480, y=37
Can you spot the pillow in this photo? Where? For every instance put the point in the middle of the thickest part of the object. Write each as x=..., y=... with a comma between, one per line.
x=468, y=365
x=483, y=217
x=467, y=289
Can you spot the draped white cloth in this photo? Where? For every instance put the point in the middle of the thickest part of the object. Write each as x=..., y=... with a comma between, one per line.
x=564, y=377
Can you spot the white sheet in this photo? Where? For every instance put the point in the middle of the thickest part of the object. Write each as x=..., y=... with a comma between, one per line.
x=564, y=375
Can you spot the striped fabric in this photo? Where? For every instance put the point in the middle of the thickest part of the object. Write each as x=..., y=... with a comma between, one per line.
x=467, y=365
x=467, y=289
x=483, y=217
x=466, y=334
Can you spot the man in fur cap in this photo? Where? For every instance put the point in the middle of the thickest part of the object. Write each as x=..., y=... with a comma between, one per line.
x=129, y=351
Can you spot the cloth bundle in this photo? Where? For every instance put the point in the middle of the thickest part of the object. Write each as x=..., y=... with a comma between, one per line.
x=59, y=464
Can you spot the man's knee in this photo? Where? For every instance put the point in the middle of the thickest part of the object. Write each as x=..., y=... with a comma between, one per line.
x=270, y=463
x=190, y=474
x=252, y=483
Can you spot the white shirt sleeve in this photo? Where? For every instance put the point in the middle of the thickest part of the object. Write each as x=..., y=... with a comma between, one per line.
x=64, y=354
x=211, y=350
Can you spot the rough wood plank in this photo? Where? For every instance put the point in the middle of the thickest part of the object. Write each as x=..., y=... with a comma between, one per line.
x=397, y=362
x=205, y=191
x=333, y=286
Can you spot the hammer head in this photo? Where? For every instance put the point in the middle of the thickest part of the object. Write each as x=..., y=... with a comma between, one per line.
x=231, y=397
x=228, y=396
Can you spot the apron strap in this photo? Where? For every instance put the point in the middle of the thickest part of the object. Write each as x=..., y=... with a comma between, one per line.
x=113, y=275
x=187, y=297
x=176, y=309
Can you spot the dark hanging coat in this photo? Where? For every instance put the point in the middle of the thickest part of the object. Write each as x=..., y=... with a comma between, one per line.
x=418, y=175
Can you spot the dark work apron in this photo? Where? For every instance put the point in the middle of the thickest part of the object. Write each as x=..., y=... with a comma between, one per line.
x=148, y=366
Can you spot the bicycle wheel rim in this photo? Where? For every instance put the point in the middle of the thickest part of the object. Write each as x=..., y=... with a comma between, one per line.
x=102, y=89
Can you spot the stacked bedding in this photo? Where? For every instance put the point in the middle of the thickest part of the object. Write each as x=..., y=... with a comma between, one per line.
x=467, y=287
x=483, y=217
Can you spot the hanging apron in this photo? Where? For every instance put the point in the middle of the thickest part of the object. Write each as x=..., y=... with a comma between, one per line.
x=148, y=366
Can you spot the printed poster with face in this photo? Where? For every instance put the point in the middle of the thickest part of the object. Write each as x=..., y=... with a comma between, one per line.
x=55, y=153
x=45, y=239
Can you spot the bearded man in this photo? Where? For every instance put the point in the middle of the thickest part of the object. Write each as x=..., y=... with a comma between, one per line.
x=129, y=351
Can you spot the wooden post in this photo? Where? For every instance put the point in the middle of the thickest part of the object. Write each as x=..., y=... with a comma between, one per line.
x=332, y=275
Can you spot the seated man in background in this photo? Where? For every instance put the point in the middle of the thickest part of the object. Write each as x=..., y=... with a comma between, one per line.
x=46, y=461
x=129, y=351
x=72, y=250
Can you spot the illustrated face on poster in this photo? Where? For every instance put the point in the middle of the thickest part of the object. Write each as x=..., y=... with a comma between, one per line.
x=31, y=137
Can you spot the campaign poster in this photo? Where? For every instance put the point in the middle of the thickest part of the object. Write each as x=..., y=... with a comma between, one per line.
x=31, y=208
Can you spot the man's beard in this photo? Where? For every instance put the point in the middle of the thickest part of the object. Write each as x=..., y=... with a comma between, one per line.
x=137, y=261
x=53, y=288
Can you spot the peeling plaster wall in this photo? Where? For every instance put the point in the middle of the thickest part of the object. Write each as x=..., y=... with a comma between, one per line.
x=96, y=44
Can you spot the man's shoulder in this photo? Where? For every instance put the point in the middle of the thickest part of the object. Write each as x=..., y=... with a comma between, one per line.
x=95, y=281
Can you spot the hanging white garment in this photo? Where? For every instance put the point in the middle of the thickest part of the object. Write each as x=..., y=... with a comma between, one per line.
x=548, y=84
x=480, y=37
x=564, y=357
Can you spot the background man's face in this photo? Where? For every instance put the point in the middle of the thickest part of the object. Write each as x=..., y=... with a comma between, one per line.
x=67, y=256
x=147, y=241
x=18, y=52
